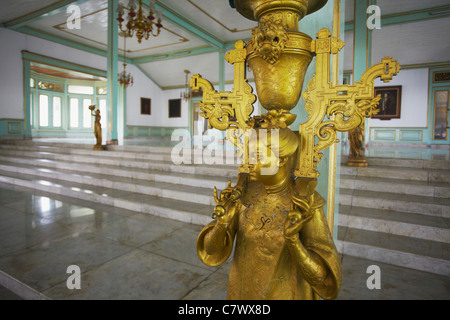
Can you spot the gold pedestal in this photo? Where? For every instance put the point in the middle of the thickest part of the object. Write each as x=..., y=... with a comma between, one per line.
x=98, y=147
x=357, y=162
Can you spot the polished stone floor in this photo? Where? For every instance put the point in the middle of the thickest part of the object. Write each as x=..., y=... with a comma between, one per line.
x=127, y=255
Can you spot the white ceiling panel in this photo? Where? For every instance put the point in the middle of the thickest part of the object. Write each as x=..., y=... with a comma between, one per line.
x=397, y=6
x=413, y=43
x=94, y=27
x=216, y=16
x=171, y=72
x=13, y=9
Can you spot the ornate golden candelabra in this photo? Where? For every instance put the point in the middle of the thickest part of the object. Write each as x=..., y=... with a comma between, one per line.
x=283, y=245
x=97, y=127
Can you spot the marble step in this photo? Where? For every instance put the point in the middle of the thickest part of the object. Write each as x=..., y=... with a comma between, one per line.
x=194, y=180
x=404, y=173
x=402, y=186
x=409, y=163
x=167, y=190
x=212, y=170
x=88, y=152
x=184, y=211
x=419, y=254
x=430, y=206
x=406, y=224
x=141, y=154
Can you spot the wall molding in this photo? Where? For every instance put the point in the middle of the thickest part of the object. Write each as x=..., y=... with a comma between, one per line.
x=133, y=131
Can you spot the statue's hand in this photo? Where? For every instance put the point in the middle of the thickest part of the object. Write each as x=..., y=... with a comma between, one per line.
x=295, y=222
x=227, y=205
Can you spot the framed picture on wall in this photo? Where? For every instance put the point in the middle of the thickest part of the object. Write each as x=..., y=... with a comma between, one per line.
x=175, y=108
x=146, y=106
x=390, y=103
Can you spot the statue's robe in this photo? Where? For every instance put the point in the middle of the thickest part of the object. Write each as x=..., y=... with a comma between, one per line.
x=263, y=266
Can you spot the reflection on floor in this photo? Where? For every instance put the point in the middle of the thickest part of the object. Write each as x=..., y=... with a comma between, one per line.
x=127, y=255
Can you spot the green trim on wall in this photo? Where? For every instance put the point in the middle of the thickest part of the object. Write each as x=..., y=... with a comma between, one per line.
x=150, y=131
x=12, y=128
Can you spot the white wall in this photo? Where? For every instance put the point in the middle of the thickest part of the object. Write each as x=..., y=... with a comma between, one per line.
x=11, y=75
x=11, y=66
x=143, y=87
x=414, y=106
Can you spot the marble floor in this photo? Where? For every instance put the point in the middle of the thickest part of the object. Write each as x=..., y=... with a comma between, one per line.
x=126, y=255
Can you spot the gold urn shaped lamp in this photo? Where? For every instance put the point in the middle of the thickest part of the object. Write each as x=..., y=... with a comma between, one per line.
x=273, y=216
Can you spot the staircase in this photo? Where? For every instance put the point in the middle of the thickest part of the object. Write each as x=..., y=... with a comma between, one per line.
x=395, y=211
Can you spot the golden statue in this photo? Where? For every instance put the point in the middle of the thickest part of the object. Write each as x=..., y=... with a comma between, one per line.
x=356, y=157
x=264, y=215
x=274, y=217
x=97, y=127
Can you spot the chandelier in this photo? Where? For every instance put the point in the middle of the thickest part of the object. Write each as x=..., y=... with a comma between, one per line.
x=139, y=22
x=124, y=78
x=187, y=94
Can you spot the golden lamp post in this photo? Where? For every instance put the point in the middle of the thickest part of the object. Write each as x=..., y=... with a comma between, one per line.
x=284, y=247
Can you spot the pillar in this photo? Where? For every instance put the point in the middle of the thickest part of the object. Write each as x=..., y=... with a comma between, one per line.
x=112, y=73
x=362, y=46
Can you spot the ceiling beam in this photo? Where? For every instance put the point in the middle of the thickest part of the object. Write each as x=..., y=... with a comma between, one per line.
x=174, y=55
x=181, y=22
x=48, y=11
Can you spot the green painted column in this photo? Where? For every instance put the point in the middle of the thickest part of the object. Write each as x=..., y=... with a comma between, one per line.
x=222, y=70
x=27, y=99
x=362, y=46
x=311, y=25
x=112, y=74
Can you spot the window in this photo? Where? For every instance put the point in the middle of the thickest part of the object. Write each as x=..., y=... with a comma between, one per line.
x=146, y=106
x=43, y=110
x=441, y=104
x=73, y=111
x=80, y=89
x=102, y=90
x=175, y=108
x=57, y=111
x=102, y=103
x=87, y=117
x=50, y=86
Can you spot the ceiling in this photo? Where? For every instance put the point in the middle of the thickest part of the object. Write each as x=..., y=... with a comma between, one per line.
x=193, y=32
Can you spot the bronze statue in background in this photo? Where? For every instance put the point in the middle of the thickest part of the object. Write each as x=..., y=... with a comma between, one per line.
x=97, y=127
x=357, y=158
x=284, y=247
